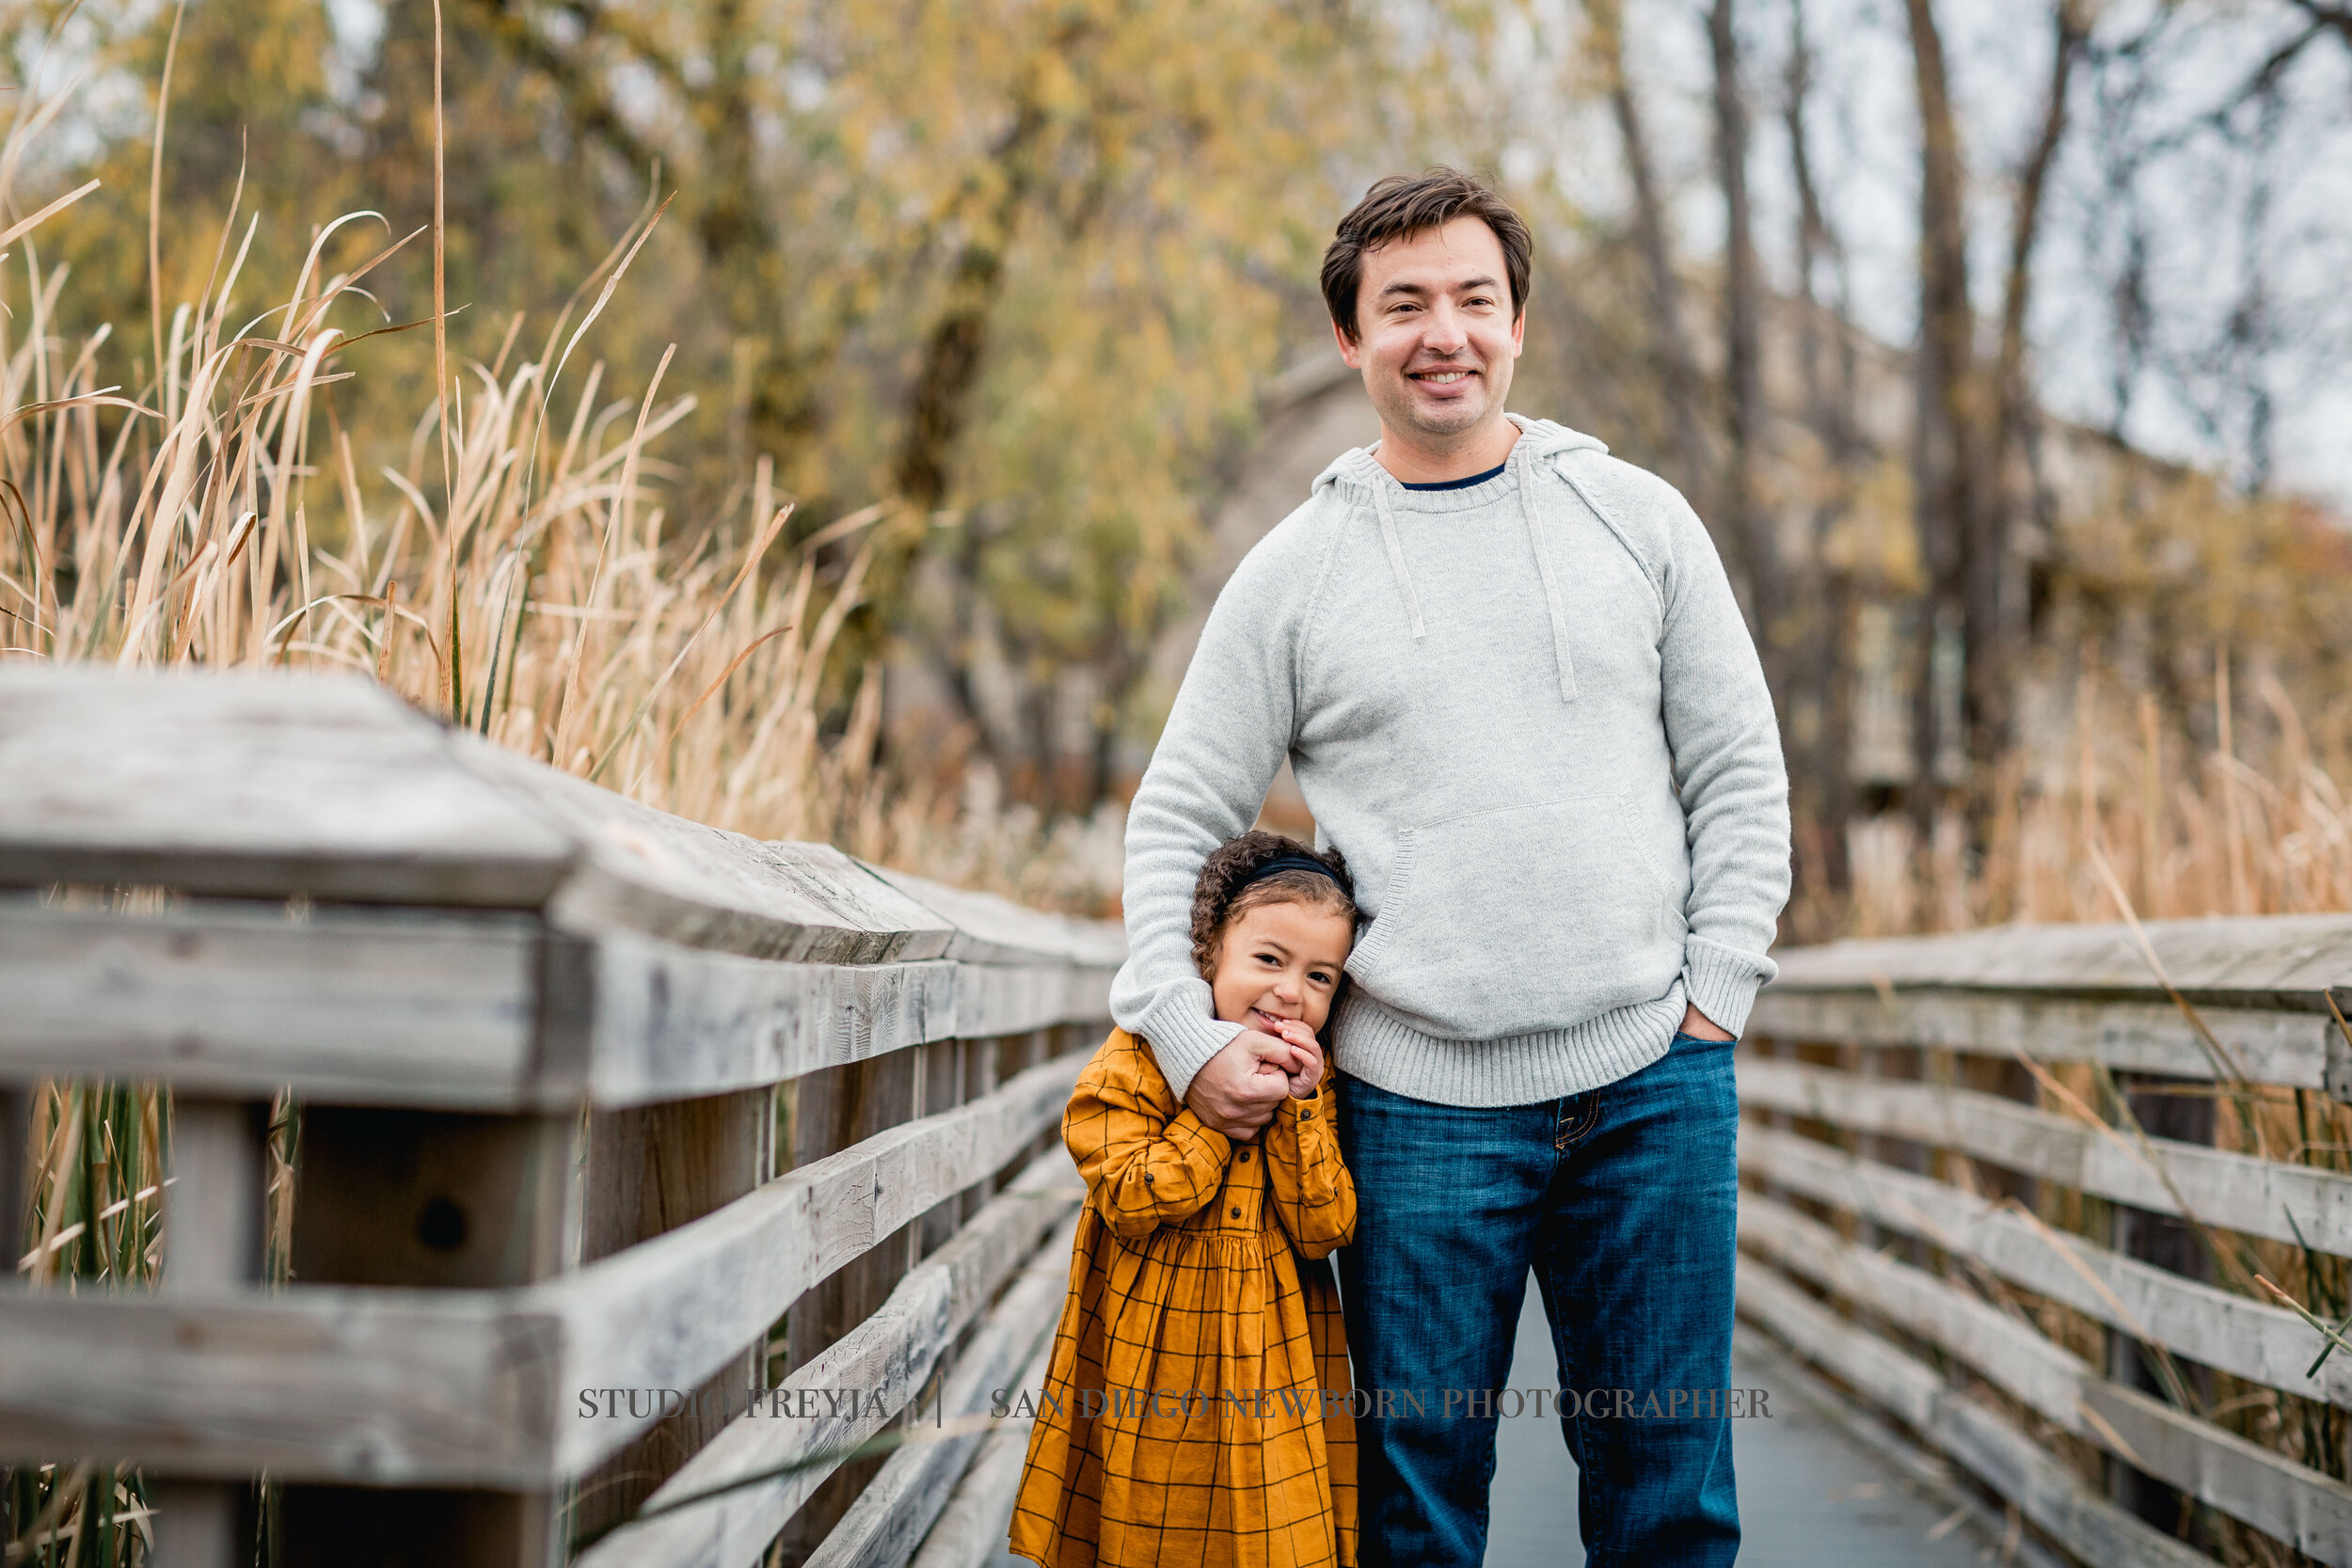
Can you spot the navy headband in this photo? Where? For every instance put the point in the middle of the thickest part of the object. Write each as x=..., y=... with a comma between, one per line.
x=1294, y=861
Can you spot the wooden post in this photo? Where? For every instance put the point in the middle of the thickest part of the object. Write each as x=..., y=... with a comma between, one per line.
x=212, y=1243
x=942, y=1088
x=16, y=1128
x=2170, y=1243
x=443, y=1199
x=650, y=1170
x=852, y=1103
x=1907, y=1064
x=979, y=1078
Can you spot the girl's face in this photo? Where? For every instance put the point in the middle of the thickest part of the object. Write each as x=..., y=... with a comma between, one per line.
x=1283, y=960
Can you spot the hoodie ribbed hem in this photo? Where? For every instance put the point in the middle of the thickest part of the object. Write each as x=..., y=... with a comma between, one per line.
x=1376, y=1046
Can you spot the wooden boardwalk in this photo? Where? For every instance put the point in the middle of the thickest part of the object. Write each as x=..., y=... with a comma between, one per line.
x=1811, y=1493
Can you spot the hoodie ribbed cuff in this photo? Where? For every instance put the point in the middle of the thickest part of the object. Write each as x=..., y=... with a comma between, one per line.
x=1721, y=982
x=1183, y=1038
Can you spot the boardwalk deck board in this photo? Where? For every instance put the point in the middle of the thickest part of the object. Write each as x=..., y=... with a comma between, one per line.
x=1810, y=1494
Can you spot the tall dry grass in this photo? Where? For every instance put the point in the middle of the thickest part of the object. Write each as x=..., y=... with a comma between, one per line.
x=2232, y=809
x=517, y=574
x=2116, y=809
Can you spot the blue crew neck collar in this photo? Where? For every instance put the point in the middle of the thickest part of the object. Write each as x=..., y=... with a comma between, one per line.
x=1495, y=472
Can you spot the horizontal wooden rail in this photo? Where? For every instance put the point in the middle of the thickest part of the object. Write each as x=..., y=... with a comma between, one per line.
x=2266, y=1046
x=1905, y=1043
x=884, y=1362
x=2308, y=1511
x=593, y=1097
x=2232, y=1333
x=2262, y=1198
x=408, y=1388
x=887, y=1523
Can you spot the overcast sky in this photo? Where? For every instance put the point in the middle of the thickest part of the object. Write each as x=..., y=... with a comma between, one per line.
x=1865, y=143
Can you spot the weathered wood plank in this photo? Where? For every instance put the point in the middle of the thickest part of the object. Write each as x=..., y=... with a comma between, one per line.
x=972, y=1528
x=424, y=1198
x=670, y=1021
x=2310, y=1512
x=213, y=1218
x=444, y=1008
x=643, y=870
x=2010, y=1355
x=995, y=930
x=2231, y=1333
x=2267, y=1490
x=2236, y=1192
x=666, y=1314
x=650, y=1169
x=385, y=1008
x=384, y=1385
x=397, y=1386
x=2268, y=1046
x=1986, y=1444
x=244, y=785
x=254, y=785
x=2291, y=955
x=998, y=999
x=884, y=1364
x=891, y=1516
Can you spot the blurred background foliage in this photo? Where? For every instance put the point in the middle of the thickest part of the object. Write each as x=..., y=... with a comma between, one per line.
x=1978, y=332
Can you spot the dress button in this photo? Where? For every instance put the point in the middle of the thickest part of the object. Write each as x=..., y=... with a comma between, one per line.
x=1306, y=1115
x=1237, y=1214
x=1147, y=1178
x=1244, y=1156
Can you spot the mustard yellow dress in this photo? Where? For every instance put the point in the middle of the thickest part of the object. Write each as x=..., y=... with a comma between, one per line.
x=1196, y=1415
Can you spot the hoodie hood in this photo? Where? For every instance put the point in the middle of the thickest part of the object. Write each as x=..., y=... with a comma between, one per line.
x=1540, y=440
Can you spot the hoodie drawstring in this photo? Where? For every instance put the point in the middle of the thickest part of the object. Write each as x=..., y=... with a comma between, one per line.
x=1551, y=585
x=1396, y=558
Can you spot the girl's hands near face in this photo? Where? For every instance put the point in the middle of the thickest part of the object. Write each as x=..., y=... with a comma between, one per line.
x=1309, y=1068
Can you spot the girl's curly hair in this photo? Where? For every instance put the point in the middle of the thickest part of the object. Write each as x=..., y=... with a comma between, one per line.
x=1225, y=889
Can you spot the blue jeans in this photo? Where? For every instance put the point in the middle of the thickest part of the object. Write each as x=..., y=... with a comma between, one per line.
x=1621, y=1202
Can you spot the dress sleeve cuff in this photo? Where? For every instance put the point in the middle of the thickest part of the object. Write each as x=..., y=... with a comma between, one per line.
x=1182, y=1039
x=1721, y=982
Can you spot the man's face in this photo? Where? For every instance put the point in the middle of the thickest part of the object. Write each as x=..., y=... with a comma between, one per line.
x=1438, y=331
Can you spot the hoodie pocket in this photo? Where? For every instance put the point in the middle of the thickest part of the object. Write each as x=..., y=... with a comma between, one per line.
x=1521, y=918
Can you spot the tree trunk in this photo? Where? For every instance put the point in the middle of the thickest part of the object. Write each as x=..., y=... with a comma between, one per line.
x=1746, y=518
x=1994, y=599
x=1678, y=365
x=1946, y=448
x=1830, y=594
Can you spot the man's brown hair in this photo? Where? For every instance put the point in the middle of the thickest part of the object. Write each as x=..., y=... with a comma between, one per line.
x=1405, y=204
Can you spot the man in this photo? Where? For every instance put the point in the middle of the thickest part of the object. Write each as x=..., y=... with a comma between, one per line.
x=1518, y=694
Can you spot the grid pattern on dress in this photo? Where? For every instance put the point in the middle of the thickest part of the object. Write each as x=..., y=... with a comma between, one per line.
x=1194, y=1413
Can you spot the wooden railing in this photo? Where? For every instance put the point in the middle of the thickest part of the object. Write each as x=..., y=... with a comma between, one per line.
x=1947, y=1210
x=593, y=1100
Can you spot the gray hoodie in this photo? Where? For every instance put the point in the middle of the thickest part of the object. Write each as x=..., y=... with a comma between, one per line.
x=1529, y=713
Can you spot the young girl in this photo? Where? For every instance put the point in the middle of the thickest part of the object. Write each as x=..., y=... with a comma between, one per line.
x=1196, y=1414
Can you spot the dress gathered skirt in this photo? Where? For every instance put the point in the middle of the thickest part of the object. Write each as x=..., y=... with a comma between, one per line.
x=1197, y=1410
